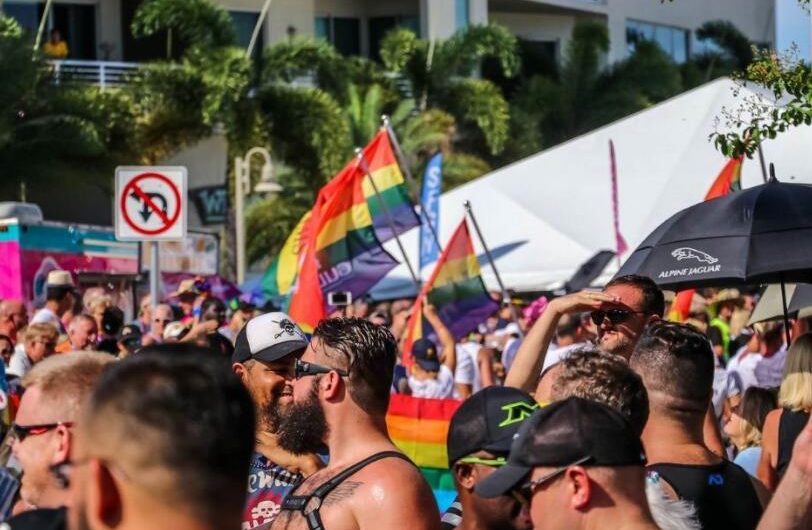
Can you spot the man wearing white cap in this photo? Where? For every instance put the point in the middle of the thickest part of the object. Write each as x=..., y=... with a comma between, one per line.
x=264, y=354
x=59, y=298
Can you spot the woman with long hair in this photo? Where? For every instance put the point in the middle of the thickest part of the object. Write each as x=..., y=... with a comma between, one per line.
x=746, y=423
x=783, y=425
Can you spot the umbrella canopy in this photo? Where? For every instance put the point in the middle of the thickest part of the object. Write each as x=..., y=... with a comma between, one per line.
x=799, y=300
x=759, y=235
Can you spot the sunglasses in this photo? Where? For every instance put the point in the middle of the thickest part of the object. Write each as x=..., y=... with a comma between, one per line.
x=21, y=432
x=490, y=462
x=615, y=316
x=159, y=321
x=7, y=351
x=302, y=369
x=527, y=489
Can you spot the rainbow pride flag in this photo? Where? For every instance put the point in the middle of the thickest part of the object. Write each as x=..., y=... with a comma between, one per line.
x=394, y=196
x=455, y=289
x=339, y=250
x=419, y=427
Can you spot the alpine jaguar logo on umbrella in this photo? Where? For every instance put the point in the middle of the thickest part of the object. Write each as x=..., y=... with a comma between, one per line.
x=692, y=253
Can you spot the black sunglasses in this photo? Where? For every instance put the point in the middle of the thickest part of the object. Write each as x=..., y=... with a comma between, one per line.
x=21, y=432
x=615, y=316
x=301, y=369
x=526, y=490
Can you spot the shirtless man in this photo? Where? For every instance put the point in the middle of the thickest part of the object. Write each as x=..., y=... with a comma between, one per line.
x=340, y=397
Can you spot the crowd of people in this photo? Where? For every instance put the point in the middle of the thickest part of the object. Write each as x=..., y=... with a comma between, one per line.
x=590, y=410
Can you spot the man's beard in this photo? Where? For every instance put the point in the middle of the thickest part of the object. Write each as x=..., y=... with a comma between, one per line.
x=302, y=427
x=269, y=413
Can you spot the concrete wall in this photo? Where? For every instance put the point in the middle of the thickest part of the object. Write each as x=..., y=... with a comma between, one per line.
x=536, y=27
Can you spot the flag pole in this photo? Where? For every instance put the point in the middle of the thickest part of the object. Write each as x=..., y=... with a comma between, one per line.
x=505, y=296
x=362, y=163
x=409, y=177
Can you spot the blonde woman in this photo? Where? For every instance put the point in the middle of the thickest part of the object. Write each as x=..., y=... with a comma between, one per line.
x=746, y=423
x=783, y=426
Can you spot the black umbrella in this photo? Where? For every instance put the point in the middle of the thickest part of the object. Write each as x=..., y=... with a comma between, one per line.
x=758, y=235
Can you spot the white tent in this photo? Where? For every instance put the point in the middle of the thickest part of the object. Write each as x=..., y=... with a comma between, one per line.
x=547, y=214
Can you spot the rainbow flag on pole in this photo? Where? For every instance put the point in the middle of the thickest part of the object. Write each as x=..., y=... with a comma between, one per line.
x=419, y=427
x=339, y=250
x=456, y=289
x=384, y=169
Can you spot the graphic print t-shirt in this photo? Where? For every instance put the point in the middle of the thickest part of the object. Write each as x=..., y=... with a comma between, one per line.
x=268, y=485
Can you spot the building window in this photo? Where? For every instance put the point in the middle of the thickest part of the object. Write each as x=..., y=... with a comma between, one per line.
x=380, y=26
x=672, y=40
x=75, y=22
x=343, y=32
x=461, y=13
x=244, y=24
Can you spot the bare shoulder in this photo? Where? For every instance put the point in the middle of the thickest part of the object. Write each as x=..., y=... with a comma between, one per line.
x=770, y=429
x=395, y=495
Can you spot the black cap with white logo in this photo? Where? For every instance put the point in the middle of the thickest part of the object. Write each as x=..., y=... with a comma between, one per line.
x=268, y=337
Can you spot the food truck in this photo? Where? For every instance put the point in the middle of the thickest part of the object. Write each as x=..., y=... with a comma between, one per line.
x=31, y=247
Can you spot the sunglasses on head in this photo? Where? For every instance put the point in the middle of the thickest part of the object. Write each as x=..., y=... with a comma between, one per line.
x=302, y=369
x=615, y=316
x=21, y=432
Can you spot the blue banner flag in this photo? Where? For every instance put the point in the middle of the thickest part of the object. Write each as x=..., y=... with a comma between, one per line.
x=430, y=200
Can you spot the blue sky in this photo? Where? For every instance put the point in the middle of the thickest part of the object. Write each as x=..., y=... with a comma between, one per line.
x=792, y=25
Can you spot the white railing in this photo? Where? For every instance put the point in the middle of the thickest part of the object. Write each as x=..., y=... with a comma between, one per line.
x=102, y=73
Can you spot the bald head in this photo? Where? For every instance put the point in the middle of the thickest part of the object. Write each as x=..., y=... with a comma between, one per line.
x=13, y=317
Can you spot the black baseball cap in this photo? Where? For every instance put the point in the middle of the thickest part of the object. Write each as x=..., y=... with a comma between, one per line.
x=130, y=335
x=561, y=434
x=268, y=337
x=488, y=421
x=424, y=353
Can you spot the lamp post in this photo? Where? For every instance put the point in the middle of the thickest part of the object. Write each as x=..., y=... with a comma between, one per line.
x=242, y=187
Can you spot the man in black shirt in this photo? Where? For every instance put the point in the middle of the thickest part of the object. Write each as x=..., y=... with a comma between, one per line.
x=479, y=439
x=676, y=364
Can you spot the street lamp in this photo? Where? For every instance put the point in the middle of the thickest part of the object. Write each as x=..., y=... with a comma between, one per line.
x=242, y=187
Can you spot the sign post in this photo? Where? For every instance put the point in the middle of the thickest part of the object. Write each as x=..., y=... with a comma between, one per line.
x=150, y=206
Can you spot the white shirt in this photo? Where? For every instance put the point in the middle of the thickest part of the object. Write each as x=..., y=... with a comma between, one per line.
x=19, y=364
x=741, y=368
x=467, y=372
x=46, y=316
x=770, y=370
x=441, y=387
x=556, y=355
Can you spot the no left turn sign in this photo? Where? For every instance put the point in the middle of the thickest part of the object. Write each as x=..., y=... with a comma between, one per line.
x=150, y=203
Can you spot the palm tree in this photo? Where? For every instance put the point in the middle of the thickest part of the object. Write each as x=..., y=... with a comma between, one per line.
x=585, y=95
x=442, y=75
x=52, y=135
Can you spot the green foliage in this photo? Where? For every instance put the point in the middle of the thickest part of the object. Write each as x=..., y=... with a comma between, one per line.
x=50, y=133
x=398, y=47
x=790, y=82
x=201, y=24
x=442, y=77
x=308, y=130
x=737, y=48
x=479, y=102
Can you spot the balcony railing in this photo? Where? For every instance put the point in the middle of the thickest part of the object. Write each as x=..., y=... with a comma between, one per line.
x=102, y=73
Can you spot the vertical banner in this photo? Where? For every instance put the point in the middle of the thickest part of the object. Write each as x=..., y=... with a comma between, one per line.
x=620, y=244
x=430, y=200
